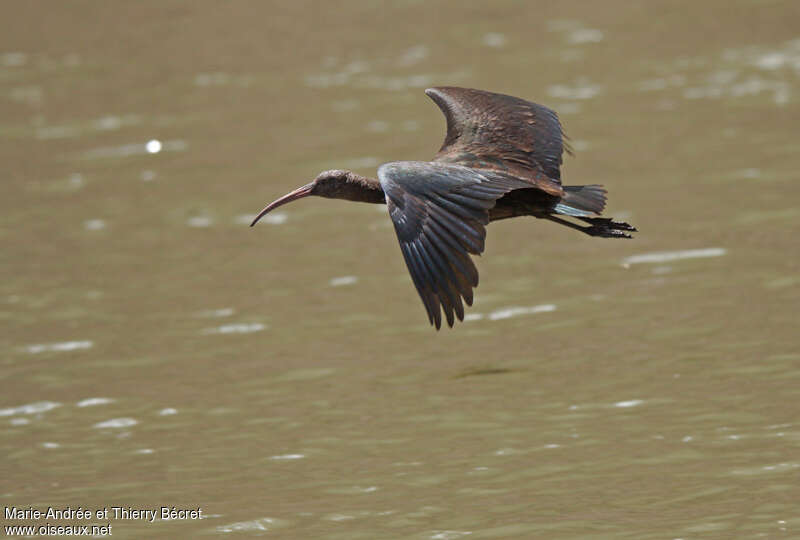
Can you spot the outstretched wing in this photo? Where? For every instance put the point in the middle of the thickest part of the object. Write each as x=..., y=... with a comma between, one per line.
x=505, y=133
x=439, y=211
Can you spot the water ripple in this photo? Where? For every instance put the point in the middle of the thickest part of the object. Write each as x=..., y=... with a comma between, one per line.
x=261, y=524
x=507, y=313
x=343, y=280
x=31, y=408
x=60, y=347
x=285, y=457
x=91, y=402
x=117, y=423
x=152, y=146
x=665, y=256
x=629, y=403
x=241, y=328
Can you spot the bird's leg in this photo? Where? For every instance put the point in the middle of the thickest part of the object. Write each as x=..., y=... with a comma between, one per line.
x=609, y=228
x=602, y=227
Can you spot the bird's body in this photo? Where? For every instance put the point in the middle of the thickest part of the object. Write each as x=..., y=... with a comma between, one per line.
x=501, y=158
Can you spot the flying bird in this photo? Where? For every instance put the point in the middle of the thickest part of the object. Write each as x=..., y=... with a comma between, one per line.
x=501, y=159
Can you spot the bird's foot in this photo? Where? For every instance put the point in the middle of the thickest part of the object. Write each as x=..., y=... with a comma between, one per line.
x=608, y=228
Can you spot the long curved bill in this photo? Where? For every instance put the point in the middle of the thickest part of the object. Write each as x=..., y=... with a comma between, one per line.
x=299, y=193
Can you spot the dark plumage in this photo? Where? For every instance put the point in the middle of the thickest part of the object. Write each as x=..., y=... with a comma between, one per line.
x=501, y=158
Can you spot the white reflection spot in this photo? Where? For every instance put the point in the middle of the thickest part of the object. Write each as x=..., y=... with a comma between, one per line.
x=340, y=517
x=586, y=35
x=507, y=313
x=749, y=173
x=222, y=312
x=13, y=59
x=91, y=402
x=494, y=39
x=343, y=280
x=63, y=346
x=449, y=535
x=262, y=524
x=410, y=125
x=378, y=126
x=168, y=411
x=666, y=256
x=414, y=55
x=772, y=60
x=581, y=90
x=117, y=423
x=31, y=408
x=50, y=445
x=199, y=221
x=153, y=146
x=630, y=403
x=94, y=224
x=276, y=218
x=235, y=329
x=75, y=180
x=288, y=456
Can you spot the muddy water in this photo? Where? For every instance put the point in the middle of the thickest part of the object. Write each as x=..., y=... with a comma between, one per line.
x=158, y=352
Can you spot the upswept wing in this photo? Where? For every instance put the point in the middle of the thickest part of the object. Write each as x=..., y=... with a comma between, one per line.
x=439, y=211
x=494, y=131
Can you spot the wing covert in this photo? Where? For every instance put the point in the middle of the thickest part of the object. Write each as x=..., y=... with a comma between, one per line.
x=439, y=212
x=495, y=131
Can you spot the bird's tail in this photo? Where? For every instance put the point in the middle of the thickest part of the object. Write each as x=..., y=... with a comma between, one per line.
x=586, y=203
x=582, y=201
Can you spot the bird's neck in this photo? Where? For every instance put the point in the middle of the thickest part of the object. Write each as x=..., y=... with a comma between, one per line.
x=360, y=189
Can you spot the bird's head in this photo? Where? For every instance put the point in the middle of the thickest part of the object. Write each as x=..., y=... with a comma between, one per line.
x=334, y=184
x=331, y=184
